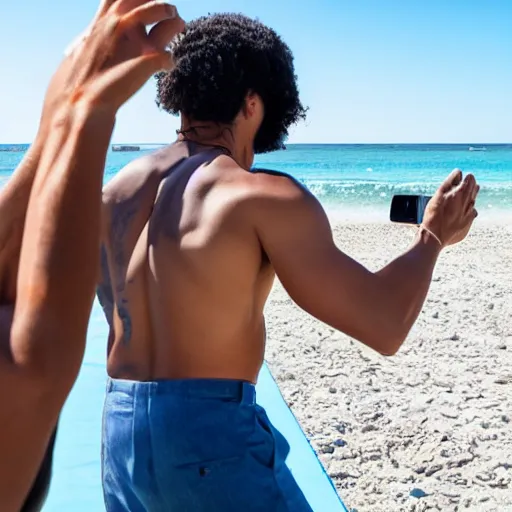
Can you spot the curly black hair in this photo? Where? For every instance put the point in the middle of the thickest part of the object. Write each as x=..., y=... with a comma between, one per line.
x=220, y=59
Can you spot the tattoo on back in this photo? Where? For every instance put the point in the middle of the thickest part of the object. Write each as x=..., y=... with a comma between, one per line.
x=126, y=320
x=104, y=288
x=120, y=223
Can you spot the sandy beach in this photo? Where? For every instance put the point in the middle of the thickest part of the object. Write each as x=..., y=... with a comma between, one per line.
x=430, y=428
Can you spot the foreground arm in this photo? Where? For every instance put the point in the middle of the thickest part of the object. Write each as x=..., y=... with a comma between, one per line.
x=15, y=195
x=376, y=308
x=60, y=245
x=59, y=255
x=55, y=292
x=13, y=207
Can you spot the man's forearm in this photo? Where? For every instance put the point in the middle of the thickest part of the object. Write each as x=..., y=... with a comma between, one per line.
x=14, y=199
x=16, y=187
x=61, y=244
x=406, y=281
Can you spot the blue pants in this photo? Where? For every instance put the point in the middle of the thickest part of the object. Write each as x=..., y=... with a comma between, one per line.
x=193, y=446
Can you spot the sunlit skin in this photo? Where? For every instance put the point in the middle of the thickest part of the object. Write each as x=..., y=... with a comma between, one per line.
x=192, y=246
x=50, y=227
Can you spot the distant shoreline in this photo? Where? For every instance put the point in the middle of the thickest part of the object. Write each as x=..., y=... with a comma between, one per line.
x=323, y=144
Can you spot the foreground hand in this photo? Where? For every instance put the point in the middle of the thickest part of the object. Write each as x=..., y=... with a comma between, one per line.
x=116, y=57
x=451, y=211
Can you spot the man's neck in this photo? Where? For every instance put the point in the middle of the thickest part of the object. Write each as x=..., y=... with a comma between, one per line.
x=214, y=135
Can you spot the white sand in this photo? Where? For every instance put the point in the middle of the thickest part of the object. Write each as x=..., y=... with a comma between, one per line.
x=437, y=416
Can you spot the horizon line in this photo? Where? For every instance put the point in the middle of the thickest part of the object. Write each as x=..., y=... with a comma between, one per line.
x=313, y=143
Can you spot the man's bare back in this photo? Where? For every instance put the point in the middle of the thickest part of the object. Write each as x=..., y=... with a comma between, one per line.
x=186, y=270
x=188, y=240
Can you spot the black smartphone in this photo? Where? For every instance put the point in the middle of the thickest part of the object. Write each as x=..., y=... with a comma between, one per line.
x=408, y=209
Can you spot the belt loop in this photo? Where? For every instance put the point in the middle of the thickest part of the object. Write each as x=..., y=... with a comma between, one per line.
x=248, y=393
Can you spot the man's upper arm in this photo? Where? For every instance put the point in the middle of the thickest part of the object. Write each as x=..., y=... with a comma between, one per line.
x=296, y=236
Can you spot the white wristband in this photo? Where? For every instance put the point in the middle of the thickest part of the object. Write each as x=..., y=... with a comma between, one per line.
x=433, y=235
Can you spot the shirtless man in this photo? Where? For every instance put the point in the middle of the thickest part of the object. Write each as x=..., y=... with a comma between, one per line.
x=50, y=227
x=192, y=242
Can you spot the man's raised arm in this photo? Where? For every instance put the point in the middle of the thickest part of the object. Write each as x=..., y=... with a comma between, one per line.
x=378, y=308
x=60, y=245
x=15, y=195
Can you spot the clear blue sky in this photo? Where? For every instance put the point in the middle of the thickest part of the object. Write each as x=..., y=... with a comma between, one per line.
x=370, y=70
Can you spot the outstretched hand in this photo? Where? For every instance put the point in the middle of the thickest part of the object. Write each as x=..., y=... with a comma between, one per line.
x=451, y=211
x=115, y=56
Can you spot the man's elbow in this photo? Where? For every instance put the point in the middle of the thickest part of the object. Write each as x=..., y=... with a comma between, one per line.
x=389, y=350
x=387, y=342
x=47, y=362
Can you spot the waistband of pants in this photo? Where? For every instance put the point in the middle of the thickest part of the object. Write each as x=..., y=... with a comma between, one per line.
x=236, y=390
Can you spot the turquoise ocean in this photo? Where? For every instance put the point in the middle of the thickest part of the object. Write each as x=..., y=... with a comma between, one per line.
x=353, y=182
x=357, y=182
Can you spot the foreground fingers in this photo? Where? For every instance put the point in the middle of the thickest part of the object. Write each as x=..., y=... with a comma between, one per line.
x=116, y=56
x=121, y=7
x=149, y=13
x=132, y=74
x=101, y=11
x=103, y=7
x=132, y=12
x=162, y=33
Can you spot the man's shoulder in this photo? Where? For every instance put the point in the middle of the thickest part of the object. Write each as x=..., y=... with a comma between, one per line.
x=273, y=185
x=280, y=203
x=270, y=194
x=274, y=176
x=137, y=173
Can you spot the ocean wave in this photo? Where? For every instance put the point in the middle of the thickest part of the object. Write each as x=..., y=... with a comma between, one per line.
x=368, y=193
x=334, y=186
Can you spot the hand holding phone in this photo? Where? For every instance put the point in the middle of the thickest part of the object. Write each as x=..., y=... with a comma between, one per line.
x=448, y=214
